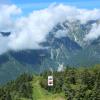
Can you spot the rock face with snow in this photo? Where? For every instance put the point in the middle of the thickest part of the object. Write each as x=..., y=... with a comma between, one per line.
x=65, y=44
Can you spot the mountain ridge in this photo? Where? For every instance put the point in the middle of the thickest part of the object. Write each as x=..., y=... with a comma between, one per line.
x=64, y=45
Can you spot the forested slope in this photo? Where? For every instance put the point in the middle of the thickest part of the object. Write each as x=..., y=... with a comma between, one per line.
x=70, y=84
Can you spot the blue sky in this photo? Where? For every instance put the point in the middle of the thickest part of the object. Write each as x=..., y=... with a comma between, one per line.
x=30, y=5
x=44, y=3
x=79, y=3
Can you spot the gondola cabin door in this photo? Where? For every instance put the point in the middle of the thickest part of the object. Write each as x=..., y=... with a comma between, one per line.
x=50, y=80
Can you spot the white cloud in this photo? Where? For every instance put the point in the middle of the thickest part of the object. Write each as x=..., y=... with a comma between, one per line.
x=94, y=33
x=86, y=15
x=7, y=13
x=28, y=31
x=33, y=29
x=3, y=44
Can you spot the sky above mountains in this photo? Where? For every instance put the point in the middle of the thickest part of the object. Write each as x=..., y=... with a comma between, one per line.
x=30, y=22
x=38, y=4
x=30, y=5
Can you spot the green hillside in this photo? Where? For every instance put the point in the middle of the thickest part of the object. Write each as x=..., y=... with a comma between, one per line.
x=70, y=84
x=13, y=90
x=41, y=94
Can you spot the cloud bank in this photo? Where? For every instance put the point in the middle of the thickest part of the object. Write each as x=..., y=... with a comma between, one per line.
x=27, y=32
x=94, y=33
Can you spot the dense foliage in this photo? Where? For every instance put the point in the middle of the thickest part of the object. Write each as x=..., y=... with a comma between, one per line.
x=19, y=88
x=76, y=84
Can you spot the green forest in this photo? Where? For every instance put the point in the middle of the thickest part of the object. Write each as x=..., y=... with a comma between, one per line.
x=82, y=83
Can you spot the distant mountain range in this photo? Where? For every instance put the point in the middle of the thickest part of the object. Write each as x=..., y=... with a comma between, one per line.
x=65, y=46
